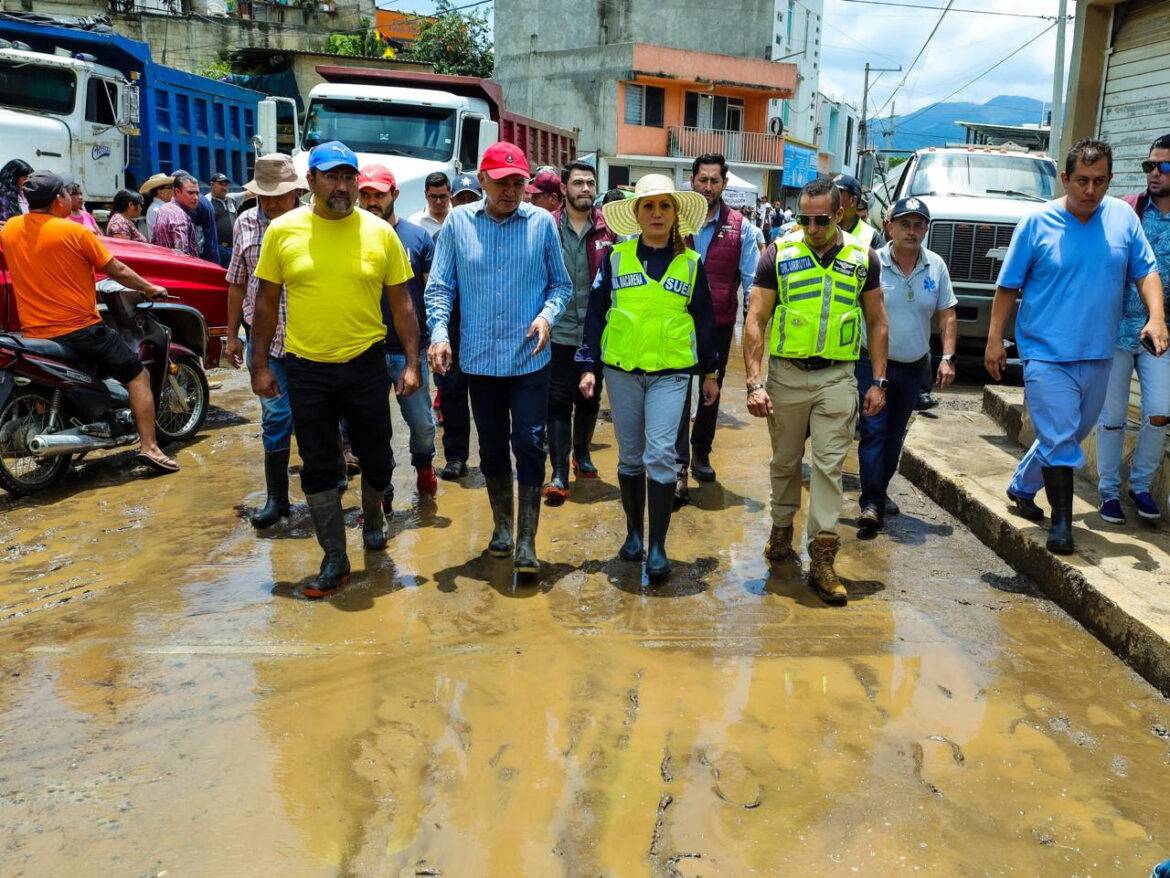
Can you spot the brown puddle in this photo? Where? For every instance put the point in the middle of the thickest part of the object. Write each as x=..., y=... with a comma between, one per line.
x=170, y=705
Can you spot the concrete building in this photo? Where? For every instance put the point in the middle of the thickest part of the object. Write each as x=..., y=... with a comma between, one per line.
x=796, y=38
x=1033, y=138
x=836, y=135
x=628, y=76
x=1119, y=82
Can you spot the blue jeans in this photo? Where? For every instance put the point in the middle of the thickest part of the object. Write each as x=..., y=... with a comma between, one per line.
x=1064, y=400
x=646, y=412
x=416, y=411
x=276, y=425
x=512, y=409
x=1154, y=379
x=882, y=434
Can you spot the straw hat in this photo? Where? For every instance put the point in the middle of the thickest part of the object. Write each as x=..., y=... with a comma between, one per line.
x=691, y=206
x=154, y=181
x=274, y=175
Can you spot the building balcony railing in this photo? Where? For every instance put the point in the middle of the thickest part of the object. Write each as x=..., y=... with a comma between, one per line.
x=736, y=146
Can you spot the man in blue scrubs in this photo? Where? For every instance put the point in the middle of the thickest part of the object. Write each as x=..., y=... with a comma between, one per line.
x=1070, y=261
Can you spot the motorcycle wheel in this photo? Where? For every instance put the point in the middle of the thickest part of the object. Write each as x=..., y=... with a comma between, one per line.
x=25, y=415
x=182, y=406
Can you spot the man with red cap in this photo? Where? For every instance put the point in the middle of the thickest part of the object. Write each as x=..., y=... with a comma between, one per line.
x=545, y=190
x=377, y=192
x=500, y=260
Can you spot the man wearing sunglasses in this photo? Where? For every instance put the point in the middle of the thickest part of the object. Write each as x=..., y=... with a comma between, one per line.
x=1153, y=210
x=817, y=285
x=1069, y=261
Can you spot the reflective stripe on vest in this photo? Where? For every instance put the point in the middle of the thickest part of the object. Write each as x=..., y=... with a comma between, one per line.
x=864, y=232
x=818, y=310
x=648, y=326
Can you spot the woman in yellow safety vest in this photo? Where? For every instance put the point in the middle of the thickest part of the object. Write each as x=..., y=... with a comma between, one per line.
x=650, y=324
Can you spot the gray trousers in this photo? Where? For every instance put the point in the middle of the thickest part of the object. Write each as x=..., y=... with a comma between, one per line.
x=646, y=411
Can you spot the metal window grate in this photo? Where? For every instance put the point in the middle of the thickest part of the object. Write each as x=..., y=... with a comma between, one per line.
x=965, y=247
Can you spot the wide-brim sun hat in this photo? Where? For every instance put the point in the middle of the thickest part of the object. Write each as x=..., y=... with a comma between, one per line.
x=621, y=216
x=155, y=181
x=274, y=175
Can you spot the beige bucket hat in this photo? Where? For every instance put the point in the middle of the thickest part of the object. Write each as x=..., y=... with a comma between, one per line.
x=691, y=206
x=274, y=175
x=154, y=181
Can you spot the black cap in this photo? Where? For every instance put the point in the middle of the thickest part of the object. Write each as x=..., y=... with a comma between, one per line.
x=219, y=177
x=42, y=187
x=848, y=184
x=904, y=206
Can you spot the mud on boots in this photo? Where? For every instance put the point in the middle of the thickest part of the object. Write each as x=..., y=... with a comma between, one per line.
x=499, y=492
x=1058, y=485
x=779, y=545
x=584, y=423
x=634, y=504
x=660, y=502
x=276, y=480
x=527, y=521
x=373, y=518
x=822, y=575
x=556, y=492
x=329, y=525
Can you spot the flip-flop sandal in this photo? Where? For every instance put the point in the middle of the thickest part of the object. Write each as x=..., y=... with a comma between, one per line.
x=159, y=465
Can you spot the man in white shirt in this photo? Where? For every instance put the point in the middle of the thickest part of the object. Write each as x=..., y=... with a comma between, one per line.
x=161, y=188
x=437, y=189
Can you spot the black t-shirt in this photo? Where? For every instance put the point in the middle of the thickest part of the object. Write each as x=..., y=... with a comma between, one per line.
x=766, y=269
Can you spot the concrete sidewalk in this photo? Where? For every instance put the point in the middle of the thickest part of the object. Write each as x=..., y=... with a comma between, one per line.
x=1117, y=584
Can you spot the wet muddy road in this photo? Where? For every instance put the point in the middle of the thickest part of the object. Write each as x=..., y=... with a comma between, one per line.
x=169, y=704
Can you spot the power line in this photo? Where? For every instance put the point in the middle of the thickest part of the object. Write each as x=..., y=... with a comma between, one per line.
x=936, y=8
x=906, y=75
x=971, y=82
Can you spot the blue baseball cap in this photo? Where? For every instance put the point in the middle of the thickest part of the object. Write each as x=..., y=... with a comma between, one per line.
x=334, y=154
x=847, y=184
x=907, y=206
x=466, y=183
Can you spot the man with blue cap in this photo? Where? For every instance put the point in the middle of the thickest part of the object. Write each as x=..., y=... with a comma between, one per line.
x=336, y=264
x=851, y=220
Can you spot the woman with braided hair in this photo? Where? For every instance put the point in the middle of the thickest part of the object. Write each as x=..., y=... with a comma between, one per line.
x=650, y=324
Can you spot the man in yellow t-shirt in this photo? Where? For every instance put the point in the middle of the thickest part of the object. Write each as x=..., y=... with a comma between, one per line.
x=336, y=263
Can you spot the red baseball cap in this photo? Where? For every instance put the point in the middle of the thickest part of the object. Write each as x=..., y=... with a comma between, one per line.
x=548, y=182
x=502, y=160
x=377, y=177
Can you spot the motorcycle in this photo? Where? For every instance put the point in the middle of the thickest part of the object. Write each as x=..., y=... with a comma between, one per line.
x=52, y=409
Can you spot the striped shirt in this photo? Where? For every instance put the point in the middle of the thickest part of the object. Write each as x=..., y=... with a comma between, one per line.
x=249, y=233
x=504, y=275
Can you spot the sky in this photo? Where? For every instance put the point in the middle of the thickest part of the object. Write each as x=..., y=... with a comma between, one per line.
x=887, y=36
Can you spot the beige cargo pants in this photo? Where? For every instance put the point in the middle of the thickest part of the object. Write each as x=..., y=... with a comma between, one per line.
x=825, y=402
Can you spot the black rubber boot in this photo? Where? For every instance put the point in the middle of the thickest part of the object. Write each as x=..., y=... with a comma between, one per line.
x=634, y=503
x=329, y=524
x=583, y=426
x=373, y=518
x=1058, y=485
x=500, y=497
x=276, y=479
x=701, y=466
x=557, y=490
x=660, y=500
x=526, y=524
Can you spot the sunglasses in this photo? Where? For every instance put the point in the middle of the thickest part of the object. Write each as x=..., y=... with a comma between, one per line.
x=1162, y=167
x=818, y=219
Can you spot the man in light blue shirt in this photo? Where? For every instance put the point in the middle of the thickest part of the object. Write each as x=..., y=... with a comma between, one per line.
x=730, y=250
x=500, y=261
x=1069, y=261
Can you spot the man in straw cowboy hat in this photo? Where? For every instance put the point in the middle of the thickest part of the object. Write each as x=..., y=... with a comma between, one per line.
x=161, y=189
x=651, y=323
x=500, y=261
x=336, y=263
x=816, y=285
x=276, y=186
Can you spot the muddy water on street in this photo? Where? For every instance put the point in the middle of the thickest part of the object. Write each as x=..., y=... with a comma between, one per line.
x=170, y=704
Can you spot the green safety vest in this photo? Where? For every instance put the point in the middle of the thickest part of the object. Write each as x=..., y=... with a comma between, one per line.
x=818, y=310
x=648, y=326
x=863, y=232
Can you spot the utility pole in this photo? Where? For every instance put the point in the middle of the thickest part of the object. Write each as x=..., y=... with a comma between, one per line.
x=1055, y=130
x=862, y=132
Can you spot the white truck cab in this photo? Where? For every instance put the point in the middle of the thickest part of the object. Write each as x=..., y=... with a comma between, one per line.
x=976, y=195
x=412, y=131
x=69, y=115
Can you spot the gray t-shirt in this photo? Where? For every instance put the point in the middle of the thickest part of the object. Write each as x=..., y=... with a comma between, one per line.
x=912, y=302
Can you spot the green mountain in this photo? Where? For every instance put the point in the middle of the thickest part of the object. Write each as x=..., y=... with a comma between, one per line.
x=936, y=125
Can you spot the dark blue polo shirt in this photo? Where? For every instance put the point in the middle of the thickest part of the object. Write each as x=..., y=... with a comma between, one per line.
x=420, y=247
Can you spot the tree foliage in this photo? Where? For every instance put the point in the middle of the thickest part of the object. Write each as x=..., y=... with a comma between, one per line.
x=366, y=43
x=454, y=42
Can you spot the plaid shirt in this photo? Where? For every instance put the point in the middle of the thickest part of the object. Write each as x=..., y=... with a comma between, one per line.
x=249, y=232
x=119, y=226
x=174, y=229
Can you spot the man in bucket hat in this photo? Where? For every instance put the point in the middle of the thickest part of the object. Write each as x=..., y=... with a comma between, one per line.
x=500, y=261
x=276, y=187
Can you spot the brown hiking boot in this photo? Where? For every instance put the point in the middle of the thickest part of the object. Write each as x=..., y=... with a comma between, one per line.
x=779, y=546
x=821, y=575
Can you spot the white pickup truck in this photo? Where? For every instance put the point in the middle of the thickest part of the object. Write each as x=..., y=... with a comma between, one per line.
x=976, y=195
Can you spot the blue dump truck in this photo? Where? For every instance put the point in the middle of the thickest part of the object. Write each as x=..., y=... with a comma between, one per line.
x=86, y=101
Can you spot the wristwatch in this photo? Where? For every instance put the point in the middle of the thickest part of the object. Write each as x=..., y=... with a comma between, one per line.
x=881, y=384
x=710, y=376
x=947, y=358
x=752, y=388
